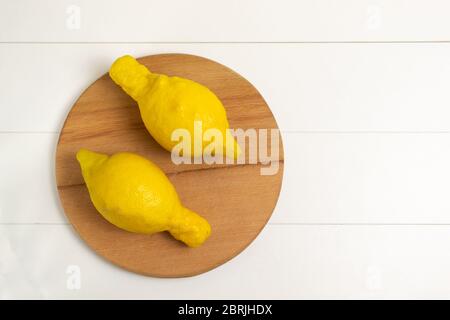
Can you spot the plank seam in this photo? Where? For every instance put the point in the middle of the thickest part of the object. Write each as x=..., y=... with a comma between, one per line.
x=233, y=42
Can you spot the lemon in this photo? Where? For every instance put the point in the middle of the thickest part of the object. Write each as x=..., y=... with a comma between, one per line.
x=170, y=103
x=134, y=194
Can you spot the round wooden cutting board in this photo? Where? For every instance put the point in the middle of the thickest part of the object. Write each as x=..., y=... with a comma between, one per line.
x=236, y=199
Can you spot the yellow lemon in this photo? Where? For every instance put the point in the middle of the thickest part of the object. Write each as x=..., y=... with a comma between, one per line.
x=170, y=103
x=134, y=194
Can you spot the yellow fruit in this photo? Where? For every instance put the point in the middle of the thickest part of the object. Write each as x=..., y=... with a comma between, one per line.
x=134, y=194
x=170, y=103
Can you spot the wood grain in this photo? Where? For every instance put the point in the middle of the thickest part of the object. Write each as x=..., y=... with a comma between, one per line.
x=236, y=199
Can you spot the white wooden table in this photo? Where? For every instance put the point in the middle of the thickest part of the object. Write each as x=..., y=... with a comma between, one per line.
x=360, y=89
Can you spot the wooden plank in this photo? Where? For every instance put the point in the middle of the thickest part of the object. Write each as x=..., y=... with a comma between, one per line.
x=291, y=262
x=316, y=87
x=234, y=20
x=365, y=178
x=328, y=178
x=27, y=179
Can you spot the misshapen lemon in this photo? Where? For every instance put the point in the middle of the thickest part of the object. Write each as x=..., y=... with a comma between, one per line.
x=134, y=194
x=170, y=103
